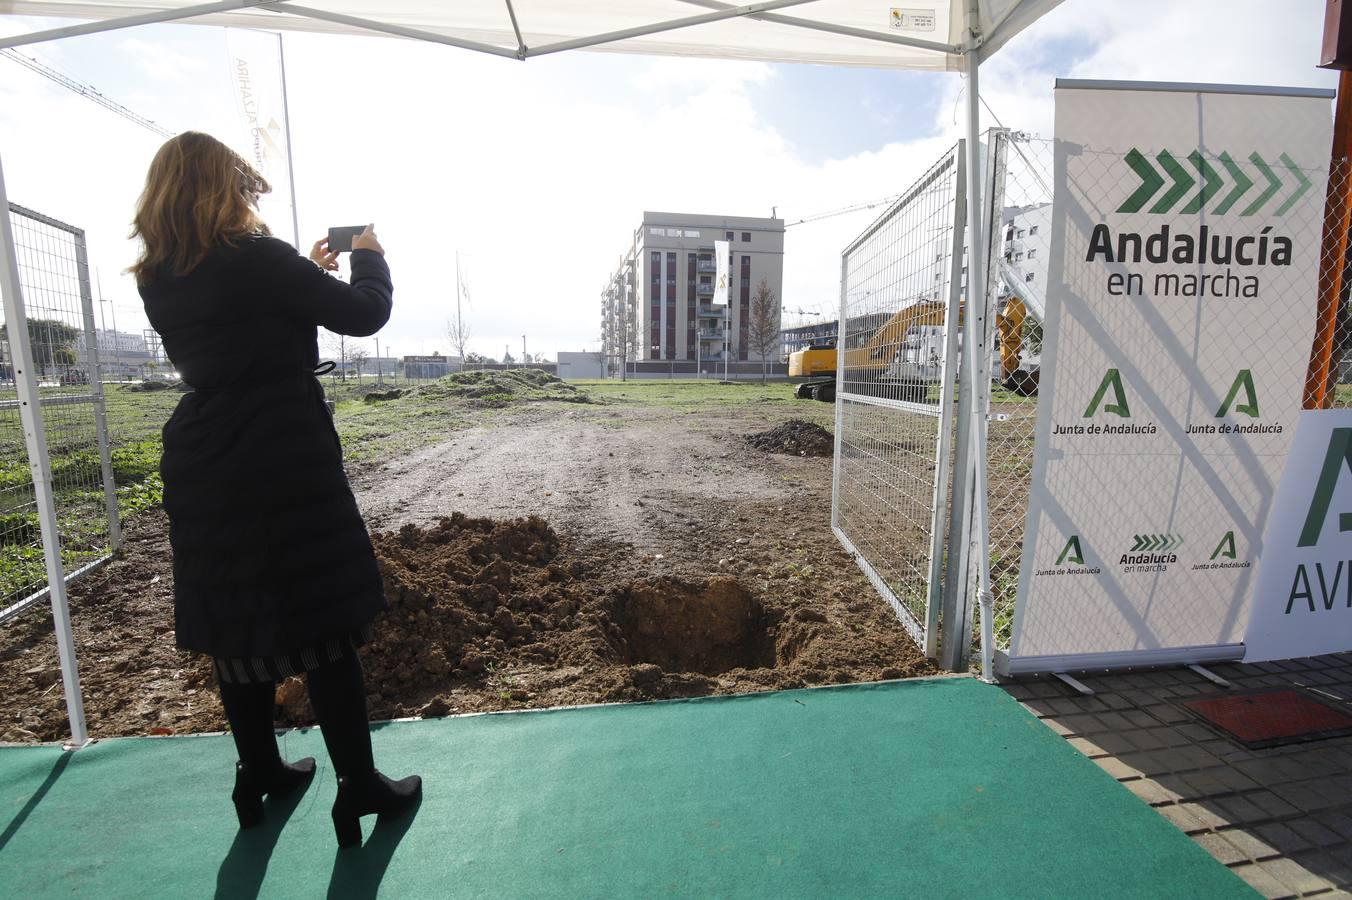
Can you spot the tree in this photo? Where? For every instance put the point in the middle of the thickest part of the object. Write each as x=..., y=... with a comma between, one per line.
x=763, y=324
x=358, y=357
x=53, y=343
x=335, y=345
x=507, y=358
x=457, y=327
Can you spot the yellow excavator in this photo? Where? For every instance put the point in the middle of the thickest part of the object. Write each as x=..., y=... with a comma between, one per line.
x=901, y=359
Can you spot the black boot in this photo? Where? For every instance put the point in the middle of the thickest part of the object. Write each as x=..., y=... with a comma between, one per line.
x=275, y=781
x=338, y=695
x=260, y=769
x=373, y=794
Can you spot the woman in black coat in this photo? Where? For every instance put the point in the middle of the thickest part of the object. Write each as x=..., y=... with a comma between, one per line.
x=274, y=574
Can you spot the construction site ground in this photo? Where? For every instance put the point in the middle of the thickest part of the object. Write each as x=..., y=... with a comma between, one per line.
x=666, y=557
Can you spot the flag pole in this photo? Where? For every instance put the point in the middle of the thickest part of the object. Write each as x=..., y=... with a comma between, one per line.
x=286, y=124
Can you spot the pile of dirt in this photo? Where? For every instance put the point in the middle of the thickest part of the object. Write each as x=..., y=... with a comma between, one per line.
x=490, y=614
x=146, y=387
x=494, y=388
x=795, y=437
x=382, y=396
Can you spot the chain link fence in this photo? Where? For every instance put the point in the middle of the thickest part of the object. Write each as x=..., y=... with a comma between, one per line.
x=54, y=281
x=896, y=361
x=1020, y=171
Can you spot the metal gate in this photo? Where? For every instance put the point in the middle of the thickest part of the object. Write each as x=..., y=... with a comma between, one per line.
x=53, y=276
x=902, y=283
x=58, y=503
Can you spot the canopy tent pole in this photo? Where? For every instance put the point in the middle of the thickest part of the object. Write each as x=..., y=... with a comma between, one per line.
x=844, y=30
x=417, y=34
x=957, y=634
x=729, y=12
x=516, y=29
x=150, y=18
x=40, y=462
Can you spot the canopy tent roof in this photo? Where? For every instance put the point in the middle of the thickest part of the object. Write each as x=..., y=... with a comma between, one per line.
x=933, y=34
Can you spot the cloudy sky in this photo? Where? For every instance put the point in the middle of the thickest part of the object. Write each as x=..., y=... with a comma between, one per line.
x=537, y=174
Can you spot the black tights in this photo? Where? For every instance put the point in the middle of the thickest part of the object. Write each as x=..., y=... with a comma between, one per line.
x=338, y=697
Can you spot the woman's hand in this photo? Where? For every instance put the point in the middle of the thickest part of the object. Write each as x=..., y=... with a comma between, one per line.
x=367, y=241
x=322, y=256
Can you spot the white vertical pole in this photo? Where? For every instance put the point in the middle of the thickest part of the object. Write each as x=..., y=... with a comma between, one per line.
x=976, y=346
x=96, y=389
x=35, y=435
x=290, y=151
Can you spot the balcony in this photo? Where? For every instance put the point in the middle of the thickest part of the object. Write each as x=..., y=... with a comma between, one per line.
x=709, y=266
x=707, y=335
x=705, y=287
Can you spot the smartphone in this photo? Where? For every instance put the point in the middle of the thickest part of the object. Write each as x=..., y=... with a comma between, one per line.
x=340, y=239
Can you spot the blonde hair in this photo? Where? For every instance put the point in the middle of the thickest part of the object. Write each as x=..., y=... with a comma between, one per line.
x=199, y=194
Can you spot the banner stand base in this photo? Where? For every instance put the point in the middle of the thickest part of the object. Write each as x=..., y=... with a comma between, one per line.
x=1007, y=665
x=1078, y=685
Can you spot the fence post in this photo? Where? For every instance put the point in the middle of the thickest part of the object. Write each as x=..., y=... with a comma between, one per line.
x=96, y=388
x=35, y=435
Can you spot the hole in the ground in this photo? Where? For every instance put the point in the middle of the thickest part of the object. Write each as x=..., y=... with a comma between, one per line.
x=708, y=627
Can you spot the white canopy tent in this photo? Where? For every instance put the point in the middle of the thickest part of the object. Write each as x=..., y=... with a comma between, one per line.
x=945, y=35
x=938, y=35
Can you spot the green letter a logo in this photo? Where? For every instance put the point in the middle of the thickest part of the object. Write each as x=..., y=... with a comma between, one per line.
x=1226, y=547
x=1072, y=551
x=1250, y=405
x=1338, y=455
x=1119, y=404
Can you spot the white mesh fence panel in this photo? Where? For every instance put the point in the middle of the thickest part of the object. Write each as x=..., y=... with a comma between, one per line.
x=896, y=359
x=54, y=281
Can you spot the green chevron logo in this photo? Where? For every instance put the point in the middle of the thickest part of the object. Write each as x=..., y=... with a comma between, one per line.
x=1152, y=543
x=1210, y=183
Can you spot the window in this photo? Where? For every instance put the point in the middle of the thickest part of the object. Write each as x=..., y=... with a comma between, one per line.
x=746, y=237
x=1021, y=233
x=964, y=270
x=1032, y=229
x=727, y=235
x=1032, y=253
x=746, y=260
x=1028, y=277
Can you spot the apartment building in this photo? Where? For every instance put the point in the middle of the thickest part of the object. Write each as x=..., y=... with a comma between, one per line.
x=659, y=302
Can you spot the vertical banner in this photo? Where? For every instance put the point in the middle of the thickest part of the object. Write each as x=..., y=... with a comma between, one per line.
x=1185, y=246
x=721, y=273
x=1303, y=602
x=260, y=98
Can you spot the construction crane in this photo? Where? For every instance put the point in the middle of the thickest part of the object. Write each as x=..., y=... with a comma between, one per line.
x=85, y=91
x=872, y=204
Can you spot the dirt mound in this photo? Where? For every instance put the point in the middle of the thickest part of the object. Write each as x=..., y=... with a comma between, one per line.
x=502, y=388
x=795, y=437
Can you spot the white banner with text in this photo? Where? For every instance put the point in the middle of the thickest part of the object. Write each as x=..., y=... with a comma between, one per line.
x=1181, y=298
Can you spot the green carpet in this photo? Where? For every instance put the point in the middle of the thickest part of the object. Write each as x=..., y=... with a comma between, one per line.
x=933, y=788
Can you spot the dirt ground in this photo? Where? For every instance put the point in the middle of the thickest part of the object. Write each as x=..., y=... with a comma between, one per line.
x=564, y=554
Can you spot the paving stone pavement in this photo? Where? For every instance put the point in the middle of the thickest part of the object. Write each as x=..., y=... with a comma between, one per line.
x=1280, y=818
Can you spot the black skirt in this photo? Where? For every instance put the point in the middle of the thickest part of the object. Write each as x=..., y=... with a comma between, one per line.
x=265, y=669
